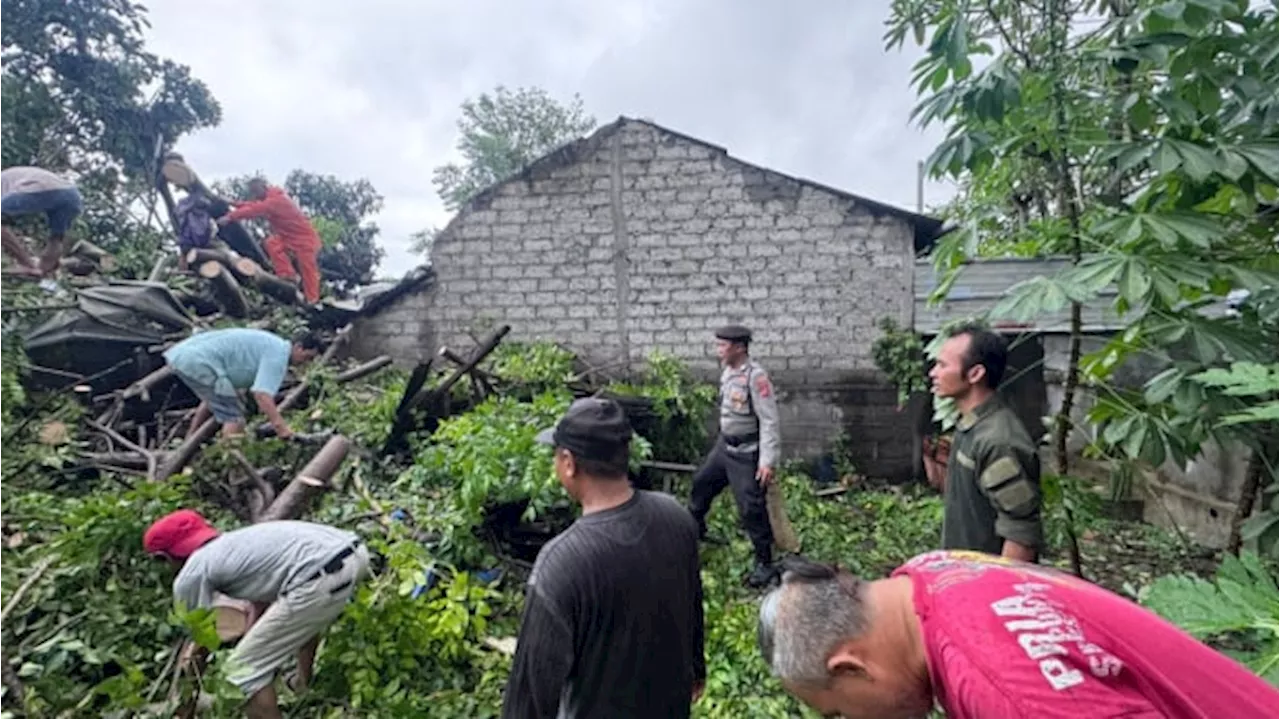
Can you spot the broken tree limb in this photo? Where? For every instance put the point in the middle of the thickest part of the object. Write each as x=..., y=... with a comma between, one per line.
x=149, y=456
x=364, y=370
x=160, y=269
x=142, y=388
x=460, y=361
x=27, y=584
x=404, y=411
x=477, y=356
x=311, y=481
x=124, y=461
x=784, y=535
x=91, y=252
x=225, y=288
x=260, y=483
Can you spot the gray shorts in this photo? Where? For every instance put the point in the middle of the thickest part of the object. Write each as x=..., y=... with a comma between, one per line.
x=60, y=206
x=225, y=409
x=297, y=617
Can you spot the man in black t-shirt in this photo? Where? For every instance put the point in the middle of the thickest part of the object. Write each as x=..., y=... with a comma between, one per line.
x=612, y=622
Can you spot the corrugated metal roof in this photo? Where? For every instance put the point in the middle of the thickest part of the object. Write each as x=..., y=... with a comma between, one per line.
x=982, y=283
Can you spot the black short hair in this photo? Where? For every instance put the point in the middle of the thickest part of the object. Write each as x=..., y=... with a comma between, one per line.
x=986, y=348
x=616, y=467
x=309, y=341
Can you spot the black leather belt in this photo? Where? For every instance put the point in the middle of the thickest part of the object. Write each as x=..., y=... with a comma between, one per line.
x=741, y=439
x=333, y=566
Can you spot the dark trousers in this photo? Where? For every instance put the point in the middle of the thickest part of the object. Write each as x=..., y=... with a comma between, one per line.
x=737, y=471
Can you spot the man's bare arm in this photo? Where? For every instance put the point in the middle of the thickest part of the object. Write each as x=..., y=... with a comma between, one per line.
x=1014, y=550
x=267, y=404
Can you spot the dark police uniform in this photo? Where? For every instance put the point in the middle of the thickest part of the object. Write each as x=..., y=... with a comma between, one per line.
x=993, y=483
x=749, y=439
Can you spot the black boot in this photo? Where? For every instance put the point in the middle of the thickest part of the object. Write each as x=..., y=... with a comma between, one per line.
x=763, y=574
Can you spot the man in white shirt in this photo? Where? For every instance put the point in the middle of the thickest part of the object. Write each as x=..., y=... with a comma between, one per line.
x=26, y=191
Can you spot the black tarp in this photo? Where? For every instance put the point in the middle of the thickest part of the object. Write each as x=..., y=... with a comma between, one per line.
x=110, y=324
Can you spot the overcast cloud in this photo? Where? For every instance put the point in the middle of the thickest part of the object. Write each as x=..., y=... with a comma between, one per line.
x=372, y=89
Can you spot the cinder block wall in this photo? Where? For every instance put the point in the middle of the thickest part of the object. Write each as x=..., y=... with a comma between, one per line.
x=638, y=239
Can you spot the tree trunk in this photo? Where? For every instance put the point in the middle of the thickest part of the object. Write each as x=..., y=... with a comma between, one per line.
x=310, y=482
x=364, y=370
x=225, y=288
x=1253, y=484
x=1067, y=200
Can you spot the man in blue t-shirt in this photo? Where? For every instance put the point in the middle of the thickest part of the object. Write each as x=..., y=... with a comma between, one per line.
x=219, y=363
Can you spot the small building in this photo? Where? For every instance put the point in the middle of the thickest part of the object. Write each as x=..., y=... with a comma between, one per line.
x=639, y=238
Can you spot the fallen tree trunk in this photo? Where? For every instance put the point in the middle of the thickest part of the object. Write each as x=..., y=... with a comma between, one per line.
x=310, y=482
x=87, y=250
x=225, y=288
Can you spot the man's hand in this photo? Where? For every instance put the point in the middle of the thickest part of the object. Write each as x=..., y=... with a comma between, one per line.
x=283, y=431
x=764, y=476
x=698, y=686
x=223, y=221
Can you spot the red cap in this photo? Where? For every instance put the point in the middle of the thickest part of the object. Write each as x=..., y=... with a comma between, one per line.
x=178, y=534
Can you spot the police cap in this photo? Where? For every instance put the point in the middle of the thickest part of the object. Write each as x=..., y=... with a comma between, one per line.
x=734, y=333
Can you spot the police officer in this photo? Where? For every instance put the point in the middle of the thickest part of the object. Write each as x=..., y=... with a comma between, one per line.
x=746, y=452
x=992, y=493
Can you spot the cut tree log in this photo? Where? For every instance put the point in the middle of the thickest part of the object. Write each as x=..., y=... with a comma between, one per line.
x=197, y=256
x=274, y=287
x=78, y=266
x=91, y=252
x=225, y=288
x=310, y=482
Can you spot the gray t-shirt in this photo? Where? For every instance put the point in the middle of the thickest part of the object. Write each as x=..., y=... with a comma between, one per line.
x=24, y=180
x=259, y=562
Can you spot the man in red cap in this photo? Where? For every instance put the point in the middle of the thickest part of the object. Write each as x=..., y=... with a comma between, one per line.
x=305, y=572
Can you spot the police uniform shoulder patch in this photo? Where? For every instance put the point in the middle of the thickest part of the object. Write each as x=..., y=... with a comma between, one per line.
x=763, y=386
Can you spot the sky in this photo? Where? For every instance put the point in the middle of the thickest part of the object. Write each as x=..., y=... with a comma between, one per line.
x=373, y=89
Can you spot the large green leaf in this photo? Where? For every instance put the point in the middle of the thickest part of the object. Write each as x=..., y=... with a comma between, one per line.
x=1263, y=157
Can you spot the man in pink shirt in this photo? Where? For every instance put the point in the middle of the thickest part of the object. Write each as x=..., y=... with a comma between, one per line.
x=991, y=638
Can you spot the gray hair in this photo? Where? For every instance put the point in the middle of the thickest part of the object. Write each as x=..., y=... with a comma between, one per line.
x=815, y=609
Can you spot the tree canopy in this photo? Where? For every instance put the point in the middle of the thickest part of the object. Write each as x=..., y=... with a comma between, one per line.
x=501, y=133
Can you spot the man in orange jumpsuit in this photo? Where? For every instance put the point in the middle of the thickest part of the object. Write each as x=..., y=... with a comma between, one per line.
x=291, y=234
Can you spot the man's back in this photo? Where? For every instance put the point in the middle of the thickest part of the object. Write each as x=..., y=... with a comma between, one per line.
x=259, y=561
x=19, y=180
x=1007, y=640
x=613, y=617
x=230, y=359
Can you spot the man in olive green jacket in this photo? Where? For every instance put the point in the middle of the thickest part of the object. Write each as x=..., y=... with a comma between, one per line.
x=992, y=493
